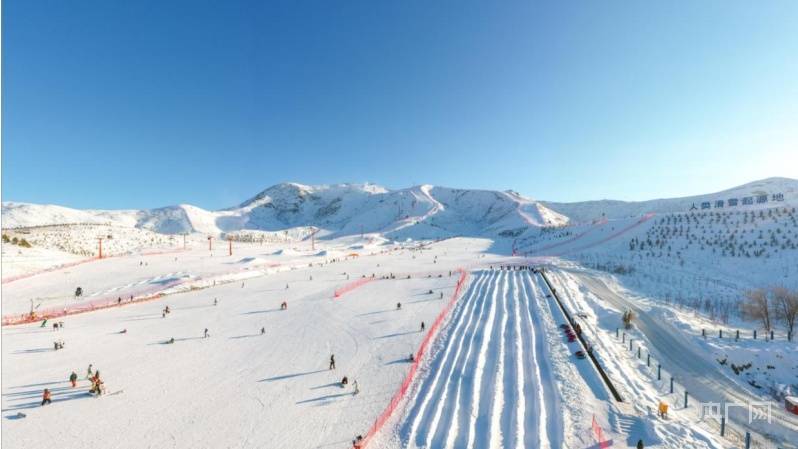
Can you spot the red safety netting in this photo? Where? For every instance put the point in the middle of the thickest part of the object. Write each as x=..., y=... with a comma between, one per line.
x=351, y=286
x=599, y=434
x=88, y=306
x=422, y=349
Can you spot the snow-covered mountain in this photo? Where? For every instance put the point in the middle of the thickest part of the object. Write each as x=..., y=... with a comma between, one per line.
x=420, y=212
x=586, y=211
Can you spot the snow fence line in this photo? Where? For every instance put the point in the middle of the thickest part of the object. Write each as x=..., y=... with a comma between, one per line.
x=351, y=286
x=411, y=374
x=80, y=262
x=90, y=306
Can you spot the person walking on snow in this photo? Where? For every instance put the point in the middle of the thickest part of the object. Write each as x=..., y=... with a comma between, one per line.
x=332, y=361
x=46, y=397
x=73, y=378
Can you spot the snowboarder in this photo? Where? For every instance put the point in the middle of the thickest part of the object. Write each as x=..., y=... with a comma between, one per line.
x=422, y=326
x=332, y=361
x=73, y=379
x=206, y=333
x=46, y=397
x=411, y=358
x=283, y=305
x=123, y=331
x=170, y=341
x=344, y=381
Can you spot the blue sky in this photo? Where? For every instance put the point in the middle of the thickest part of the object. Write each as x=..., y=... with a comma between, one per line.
x=149, y=103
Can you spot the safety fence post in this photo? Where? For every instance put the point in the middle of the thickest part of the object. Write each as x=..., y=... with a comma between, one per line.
x=648, y=360
x=685, y=398
x=659, y=371
x=671, y=384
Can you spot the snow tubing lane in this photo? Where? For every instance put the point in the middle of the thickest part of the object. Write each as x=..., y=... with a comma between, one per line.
x=422, y=349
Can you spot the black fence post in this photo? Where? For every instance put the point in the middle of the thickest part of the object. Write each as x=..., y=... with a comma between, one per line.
x=754, y=334
x=631, y=341
x=738, y=335
x=659, y=371
x=638, y=351
x=722, y=425
x=671, y=384
x=747, y=440
x=685, y=398
x=623, y=340
x=720, y=333
x=704, y=333
x=771, y=335
x=616, y=333
x=648, y=360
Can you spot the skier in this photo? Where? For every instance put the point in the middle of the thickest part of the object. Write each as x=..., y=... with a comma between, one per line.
x=640, y=444
x=89, y=372
x=332, y=361
x=206, y=333
x=398, y=306
x=441, y=295
x=356, y=387
x=170, y=341
x=73, y=378
x=215, y=301
x=46, y=397
x=411, y=358
x=286, y=286
x=44, y=323
x=422, y=326
x=262, y=330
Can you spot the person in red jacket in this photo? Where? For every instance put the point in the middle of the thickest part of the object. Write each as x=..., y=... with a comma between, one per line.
x=46, y=397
